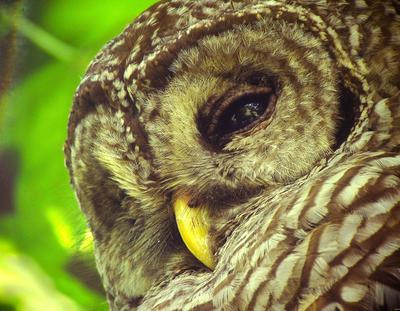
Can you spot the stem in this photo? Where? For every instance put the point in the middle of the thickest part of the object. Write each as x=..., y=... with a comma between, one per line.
x=41, y=38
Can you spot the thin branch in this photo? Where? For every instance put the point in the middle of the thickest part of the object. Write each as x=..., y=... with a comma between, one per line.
x=41, y=38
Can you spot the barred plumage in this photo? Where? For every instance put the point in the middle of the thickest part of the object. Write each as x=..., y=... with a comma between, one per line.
x=304, y=199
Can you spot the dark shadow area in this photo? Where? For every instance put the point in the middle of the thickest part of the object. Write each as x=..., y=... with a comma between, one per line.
x=348, y=114
x=9, y=163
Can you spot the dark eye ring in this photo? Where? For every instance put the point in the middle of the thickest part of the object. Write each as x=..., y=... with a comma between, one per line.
x=238, y=111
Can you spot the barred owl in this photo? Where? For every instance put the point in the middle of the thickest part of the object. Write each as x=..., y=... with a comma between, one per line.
x=244, y=155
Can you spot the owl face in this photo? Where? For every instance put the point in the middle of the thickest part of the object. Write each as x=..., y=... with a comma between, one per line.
x=233, y=109
x=232, y=116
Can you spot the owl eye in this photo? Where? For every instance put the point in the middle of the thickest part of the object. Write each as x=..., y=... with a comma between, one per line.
x=243, y=112
x=238, y=111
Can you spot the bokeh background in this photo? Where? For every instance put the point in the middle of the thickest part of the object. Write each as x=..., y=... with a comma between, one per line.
x=46, y=260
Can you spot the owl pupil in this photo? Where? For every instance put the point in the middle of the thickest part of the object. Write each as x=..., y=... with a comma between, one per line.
x=242, y=113
x=247, y=114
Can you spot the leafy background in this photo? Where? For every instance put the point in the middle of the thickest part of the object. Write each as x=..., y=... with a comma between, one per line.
x=45, y=248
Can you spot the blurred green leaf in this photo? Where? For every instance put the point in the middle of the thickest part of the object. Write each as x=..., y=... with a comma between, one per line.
x=26, y=287
x=46, y=237
x=92, y=23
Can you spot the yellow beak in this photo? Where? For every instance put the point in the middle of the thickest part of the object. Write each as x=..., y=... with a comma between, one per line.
x=194, y=226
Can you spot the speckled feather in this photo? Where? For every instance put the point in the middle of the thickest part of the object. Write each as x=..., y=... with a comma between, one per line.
x=315, y=215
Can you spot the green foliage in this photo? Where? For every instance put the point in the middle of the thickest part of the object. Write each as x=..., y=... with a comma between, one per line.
x=44, y=244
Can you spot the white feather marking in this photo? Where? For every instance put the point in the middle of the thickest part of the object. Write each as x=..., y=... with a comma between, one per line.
x=266, y=247
x=284, y=273
x=354, y=39
x=319, y=210
x=349, y=229
x=353, y=293
x=318, y=273
x=129, y=70
x=382, y=206
x=351, y=191
x=352, y=257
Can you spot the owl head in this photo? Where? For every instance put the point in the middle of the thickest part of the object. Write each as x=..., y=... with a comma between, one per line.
x=228, y=108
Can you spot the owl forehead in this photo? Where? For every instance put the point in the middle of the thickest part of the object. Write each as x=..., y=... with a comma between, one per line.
x=139, y=60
